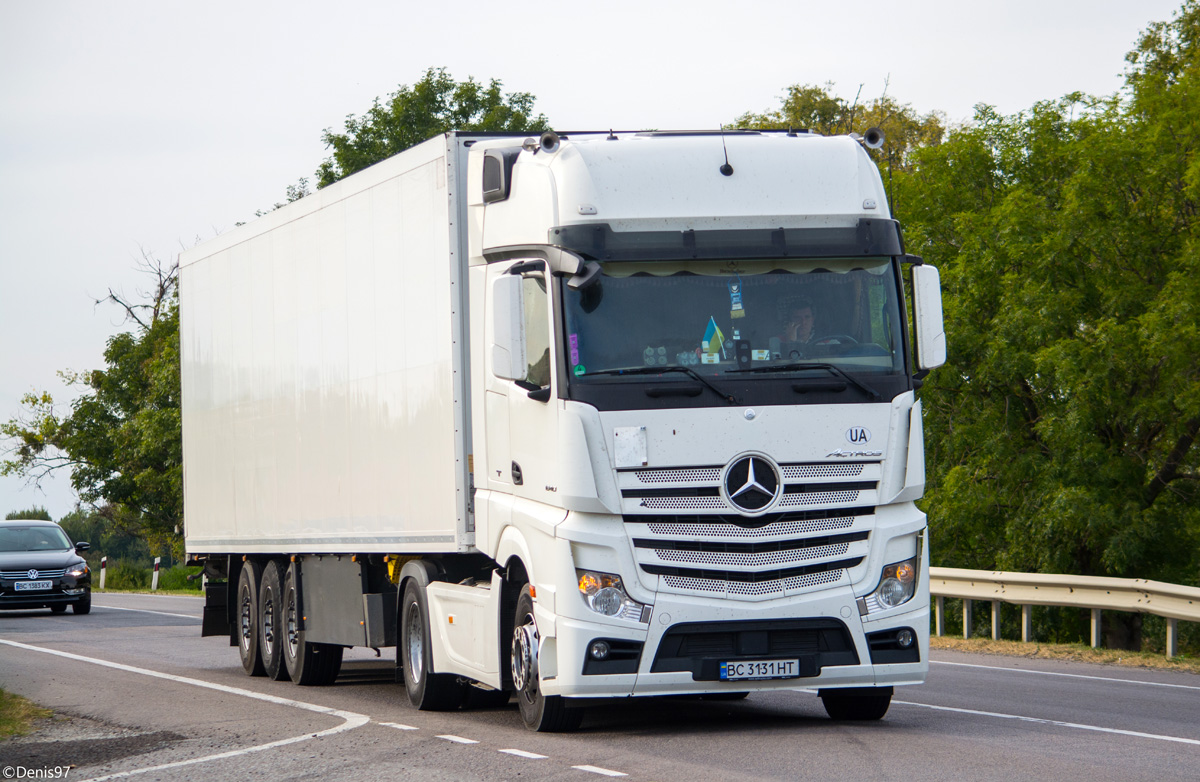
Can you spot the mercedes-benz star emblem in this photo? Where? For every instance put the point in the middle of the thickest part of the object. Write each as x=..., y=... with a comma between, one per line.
x=752, y=484
x=32, y=574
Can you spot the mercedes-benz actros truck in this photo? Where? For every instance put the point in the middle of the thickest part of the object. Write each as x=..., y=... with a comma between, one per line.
x=590, y=415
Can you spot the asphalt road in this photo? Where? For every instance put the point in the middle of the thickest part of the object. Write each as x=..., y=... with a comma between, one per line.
x=140, y=695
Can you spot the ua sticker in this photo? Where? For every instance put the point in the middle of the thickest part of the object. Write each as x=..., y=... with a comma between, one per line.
x=858, y=435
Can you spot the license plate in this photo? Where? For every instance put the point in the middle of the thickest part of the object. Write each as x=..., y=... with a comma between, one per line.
x=26, y=586
x=759, y=669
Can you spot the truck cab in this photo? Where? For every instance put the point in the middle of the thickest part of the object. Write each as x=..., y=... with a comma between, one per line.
x=702, y=499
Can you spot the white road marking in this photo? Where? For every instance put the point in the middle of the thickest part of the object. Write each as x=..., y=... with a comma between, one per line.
x=597, y=770
x=458, y=739
x=523, y=754
x=1068, y=675
x=143, y=611
x=1074, y=725
x=351, y=719
x=398, y=726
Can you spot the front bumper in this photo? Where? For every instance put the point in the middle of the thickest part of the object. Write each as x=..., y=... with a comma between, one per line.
x=63, y=591
x=830, y=640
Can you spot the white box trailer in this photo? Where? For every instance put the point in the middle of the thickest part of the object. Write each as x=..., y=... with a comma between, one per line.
x=566, y=418
x=324, y=343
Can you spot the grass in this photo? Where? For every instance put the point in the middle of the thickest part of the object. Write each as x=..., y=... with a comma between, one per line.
x=1077, y=652
x=146, y=591
x=17, y=715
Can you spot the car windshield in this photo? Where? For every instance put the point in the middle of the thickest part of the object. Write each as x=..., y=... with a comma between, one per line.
x=33, y=538
x=749, y=317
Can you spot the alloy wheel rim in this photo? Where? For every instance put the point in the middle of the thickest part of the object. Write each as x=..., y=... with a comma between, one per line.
x=416, y=646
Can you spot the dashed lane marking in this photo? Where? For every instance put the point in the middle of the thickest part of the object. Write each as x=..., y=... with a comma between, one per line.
x=351, y=719
x=458, y=739
x=597, y=770
x=1059, y=723
x=398, y=726
x=1068, y=675
x=523, y=754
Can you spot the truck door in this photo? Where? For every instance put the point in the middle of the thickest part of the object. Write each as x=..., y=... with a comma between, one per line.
x=522, y=439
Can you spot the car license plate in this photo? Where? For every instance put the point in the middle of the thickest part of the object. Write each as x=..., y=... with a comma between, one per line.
x=759, y=669
x=27, y=586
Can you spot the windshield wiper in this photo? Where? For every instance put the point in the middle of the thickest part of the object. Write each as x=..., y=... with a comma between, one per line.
x=660, y=370
x=814, y=365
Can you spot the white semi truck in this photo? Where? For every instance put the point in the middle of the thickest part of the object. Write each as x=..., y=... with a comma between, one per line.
x=584, y=416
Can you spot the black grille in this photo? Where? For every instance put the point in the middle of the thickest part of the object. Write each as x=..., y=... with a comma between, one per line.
x=751, y=576
x=748, y=548
x=701, y=647
x=717, y=519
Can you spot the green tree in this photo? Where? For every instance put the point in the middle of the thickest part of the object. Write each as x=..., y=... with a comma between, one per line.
x=36, y=512
x=1062, y=433
x=817, y=108
x=435, y=104
x=121, y=438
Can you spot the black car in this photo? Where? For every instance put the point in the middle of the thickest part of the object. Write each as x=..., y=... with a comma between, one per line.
x=40, y=568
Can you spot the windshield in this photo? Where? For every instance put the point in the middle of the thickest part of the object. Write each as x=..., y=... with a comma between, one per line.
x=33, y=538
x=739, y=319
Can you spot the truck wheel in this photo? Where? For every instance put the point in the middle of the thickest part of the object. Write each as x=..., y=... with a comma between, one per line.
x=247, y=619
x=270, y=622
x=858, y=705
x=427, y=691
x=543, y=713
x=309, y=664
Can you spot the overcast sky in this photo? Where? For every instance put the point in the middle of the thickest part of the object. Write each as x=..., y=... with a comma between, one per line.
x=145, y=125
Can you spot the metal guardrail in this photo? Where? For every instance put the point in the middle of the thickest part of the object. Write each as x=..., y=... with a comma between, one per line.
x=1171, y=601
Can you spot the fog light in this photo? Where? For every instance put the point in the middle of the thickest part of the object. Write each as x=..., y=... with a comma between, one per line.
x=904, y=638
x=599, y=650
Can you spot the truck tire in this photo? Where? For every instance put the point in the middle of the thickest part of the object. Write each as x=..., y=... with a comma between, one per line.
x=308, y=664
x=543, y=713
x=270, y=622
x=857, y=704
x=247, y=618
x=427, y=691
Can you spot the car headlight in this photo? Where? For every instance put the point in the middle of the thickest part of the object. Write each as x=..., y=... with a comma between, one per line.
x=76, y=571
x=605, y=594
x=897, y=583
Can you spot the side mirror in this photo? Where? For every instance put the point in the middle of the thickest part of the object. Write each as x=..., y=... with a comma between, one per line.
x=927, y=311
x=508, y=328
x=82, y=546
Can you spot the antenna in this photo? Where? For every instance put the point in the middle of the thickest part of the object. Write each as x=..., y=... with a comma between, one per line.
x=726, y=169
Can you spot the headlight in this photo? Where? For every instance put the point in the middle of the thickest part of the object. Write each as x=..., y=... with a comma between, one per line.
x=897, y=583
x=605, y=594
x=78, y=570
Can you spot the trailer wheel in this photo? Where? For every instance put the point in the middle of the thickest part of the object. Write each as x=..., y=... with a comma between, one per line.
x=270, y=622
x=247, y=627
x=427, y=691
x=856, y=704
x=543, y=713
x=309, y=664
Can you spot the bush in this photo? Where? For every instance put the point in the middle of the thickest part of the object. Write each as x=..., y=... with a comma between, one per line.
x=176, y=578
x=126, y=575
